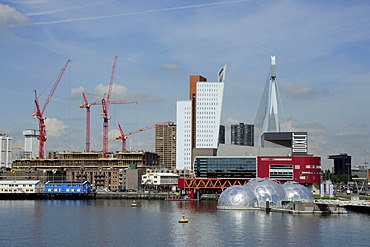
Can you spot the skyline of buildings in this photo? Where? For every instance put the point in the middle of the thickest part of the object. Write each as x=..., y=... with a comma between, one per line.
x=199, y=119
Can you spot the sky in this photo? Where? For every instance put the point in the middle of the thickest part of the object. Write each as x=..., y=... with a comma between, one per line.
x=322, y=51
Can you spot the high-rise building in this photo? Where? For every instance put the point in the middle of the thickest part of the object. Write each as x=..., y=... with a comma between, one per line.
x=198, y=119
x=31, y=148
x=270, y=116
x=165, y=144
x=242, y=134
x=5, y=151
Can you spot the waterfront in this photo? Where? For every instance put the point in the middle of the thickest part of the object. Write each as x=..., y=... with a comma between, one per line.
x=155, y=223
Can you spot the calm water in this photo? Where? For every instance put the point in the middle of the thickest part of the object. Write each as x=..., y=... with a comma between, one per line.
x=155, y=223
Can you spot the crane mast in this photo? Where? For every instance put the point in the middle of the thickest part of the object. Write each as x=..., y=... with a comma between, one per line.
x=39, y=113
x=87, y=105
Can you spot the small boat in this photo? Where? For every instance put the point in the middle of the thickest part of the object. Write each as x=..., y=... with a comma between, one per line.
x=133, y=204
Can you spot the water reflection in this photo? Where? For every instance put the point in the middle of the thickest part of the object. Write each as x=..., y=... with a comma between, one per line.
x=116, y=223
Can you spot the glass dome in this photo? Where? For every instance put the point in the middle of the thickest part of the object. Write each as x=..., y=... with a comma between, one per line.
x=237, y=197
x=297, y=192
x=267, y=189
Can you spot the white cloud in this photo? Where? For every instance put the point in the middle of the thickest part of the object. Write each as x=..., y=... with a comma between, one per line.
x=301, y=91
x=170, y=67
x=10, y=16
x=100, y=17
x=118, y=91
x=230, y=121
x=55, y=127
x=76, y=93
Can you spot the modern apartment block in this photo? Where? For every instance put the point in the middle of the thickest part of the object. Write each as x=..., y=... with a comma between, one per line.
x=5, y=151
x=198, y=119
x=165, y=145
x=31, y=148
x=242, y=134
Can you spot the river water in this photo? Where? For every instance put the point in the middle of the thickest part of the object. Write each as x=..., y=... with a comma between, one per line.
x=155, y=223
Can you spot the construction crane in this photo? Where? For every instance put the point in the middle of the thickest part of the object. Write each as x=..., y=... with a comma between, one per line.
x=39, y=113
x=87, y=106
x=104, y=114
x=124, y=136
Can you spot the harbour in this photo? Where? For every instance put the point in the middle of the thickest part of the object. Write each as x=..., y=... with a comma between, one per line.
x=156, y=222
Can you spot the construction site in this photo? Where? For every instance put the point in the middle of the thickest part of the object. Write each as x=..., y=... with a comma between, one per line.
x=106, y=171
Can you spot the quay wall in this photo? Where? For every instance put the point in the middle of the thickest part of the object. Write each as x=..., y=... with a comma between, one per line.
x=96, y=195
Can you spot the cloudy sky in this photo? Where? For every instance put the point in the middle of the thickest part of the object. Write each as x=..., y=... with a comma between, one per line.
x=322, y=50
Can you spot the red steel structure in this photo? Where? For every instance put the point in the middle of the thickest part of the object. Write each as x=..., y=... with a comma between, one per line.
x=39, y=113
x=87, y=106
x=124, y=136
x=104, y=114
x=210, y=183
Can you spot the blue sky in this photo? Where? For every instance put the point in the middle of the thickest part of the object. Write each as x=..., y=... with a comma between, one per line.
x=322, y=50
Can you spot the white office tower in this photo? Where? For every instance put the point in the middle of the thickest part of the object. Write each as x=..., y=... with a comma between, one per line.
x=198, y=119
x=208, y=112
x=5, y=151
x=270, y=116
x=183, y=135
x=31, y=148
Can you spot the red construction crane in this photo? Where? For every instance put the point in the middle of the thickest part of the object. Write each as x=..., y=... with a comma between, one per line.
x=124, y=136
x=39, y=114
x=87, y=105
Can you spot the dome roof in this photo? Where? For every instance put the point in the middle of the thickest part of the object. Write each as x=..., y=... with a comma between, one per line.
x=259, y=190
x=266, y=189
x=297, y=192
x=237, y=197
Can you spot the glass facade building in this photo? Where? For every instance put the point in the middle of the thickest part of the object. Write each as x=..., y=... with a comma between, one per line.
x=223, y=167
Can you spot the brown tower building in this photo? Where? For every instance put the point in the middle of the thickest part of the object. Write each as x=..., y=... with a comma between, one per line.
x=165, y=145
x=193, y=92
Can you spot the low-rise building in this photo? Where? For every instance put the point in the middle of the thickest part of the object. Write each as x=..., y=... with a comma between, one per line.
x=21, y=186
x=159, y=179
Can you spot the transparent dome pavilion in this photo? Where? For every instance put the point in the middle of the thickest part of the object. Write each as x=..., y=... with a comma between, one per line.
x=297, y=192
x=238, y=197
x=257, y=191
